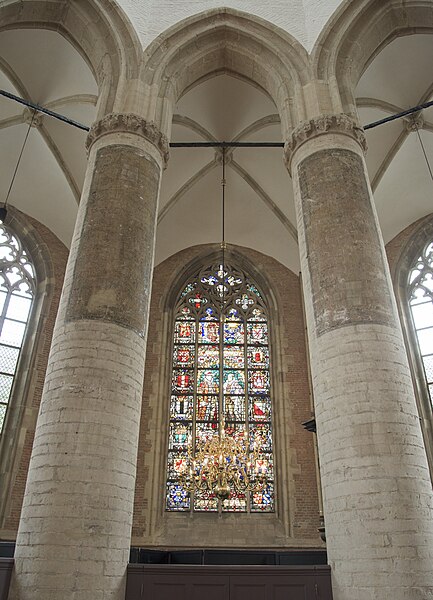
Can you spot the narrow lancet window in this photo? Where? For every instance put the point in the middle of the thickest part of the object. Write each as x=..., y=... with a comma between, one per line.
x=17, y=288
x=220, y=373
x=421, y=303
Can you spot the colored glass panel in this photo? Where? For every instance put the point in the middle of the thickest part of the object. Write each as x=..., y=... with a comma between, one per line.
x=183, y=356
x=208, y=332
x=208, y=357
x=184, y=332
x=260, y=408
x=207, y=408
x=203, y=389
x=180, y=436
x=258, y=357
x=235, y=503
x=234, y=357
x=178, y=464
x=264, y=464
x=257, y=315
x=233, y=382
x=233, y=333
x=208, y=381
x=257, y=333
x=263, y=500
x=261, y=434
x=181, y=407
x=205, y=431
x=183, y=381
x=205, y=501
x=258, y=382
x=177, y=497
x=234, y=408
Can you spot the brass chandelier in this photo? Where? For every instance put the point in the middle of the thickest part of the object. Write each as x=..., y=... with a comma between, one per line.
x=224, y=463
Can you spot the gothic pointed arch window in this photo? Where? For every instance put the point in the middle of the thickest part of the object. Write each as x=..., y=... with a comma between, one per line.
x=17, y=289
x=420, y=296
x=220, y=371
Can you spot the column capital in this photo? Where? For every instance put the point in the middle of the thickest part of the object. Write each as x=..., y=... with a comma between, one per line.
x=325, y=124
x=129, y=123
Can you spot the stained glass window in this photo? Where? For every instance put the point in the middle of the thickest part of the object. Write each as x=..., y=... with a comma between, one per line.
x=220, y=370
x=17, y=286
x=421, y=304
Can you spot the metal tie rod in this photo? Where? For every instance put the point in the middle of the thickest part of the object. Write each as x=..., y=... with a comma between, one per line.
x=60, y=117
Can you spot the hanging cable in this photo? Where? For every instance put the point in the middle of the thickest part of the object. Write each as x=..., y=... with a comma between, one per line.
x=3, y=209
x=423, y=150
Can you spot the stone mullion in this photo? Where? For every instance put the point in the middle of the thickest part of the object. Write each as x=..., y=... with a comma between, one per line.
x=74, y=533
x=376, y=486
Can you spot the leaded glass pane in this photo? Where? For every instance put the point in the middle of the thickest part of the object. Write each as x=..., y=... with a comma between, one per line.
x=207, y=408
x=2, y=415
x=428, y=367
x=17, y=284
x=260, y=408
x=5, y=387
x=208, y=332
x=12, y=333
x=263, y=501
x=423, y=315
x=19, y=308
x=234, y=408
x=183, y=381
x=257, y=333
x=258, y=357
x=258, y=382
x=234, y=382
x=234, y=357
x=8, y=359
x=184, y=356
x=177, y=497
x=208, y=357
x=233, y=333
x=220, y=349
x=180, y=436
x=205, y=501
x=184, y=332
x=235, y=503
x=425, y=339
x=181, y=407
x=208, y=381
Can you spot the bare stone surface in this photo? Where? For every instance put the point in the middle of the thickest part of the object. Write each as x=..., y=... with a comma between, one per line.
x=122, y=202
x=354, y=289
x=376, y=486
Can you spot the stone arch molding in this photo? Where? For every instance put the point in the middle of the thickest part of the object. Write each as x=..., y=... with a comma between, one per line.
x=357, y=33
x=97, y=29
x=224, y=41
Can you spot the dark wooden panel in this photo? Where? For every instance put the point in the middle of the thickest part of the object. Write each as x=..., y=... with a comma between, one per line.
x=6, y=566
x=218, y=582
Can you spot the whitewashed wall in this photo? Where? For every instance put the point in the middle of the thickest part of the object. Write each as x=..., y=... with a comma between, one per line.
x=304, y=19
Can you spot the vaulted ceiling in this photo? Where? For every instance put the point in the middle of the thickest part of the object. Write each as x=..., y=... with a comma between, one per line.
x=43, y=67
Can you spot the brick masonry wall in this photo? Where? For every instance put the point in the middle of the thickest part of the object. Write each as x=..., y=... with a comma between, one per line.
x=297, y=521
x=59, y=254
x=296, y=469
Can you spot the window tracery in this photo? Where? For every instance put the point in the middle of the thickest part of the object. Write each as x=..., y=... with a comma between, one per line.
x=421, y=305
x=220, y=370
x=17, y=288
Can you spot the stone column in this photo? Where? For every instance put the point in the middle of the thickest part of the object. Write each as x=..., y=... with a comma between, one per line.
x=376, y=487
x=74, y=535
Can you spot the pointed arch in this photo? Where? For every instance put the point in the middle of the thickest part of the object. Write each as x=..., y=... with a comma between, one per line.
x=225, y=41
x=357, y=32
x=98, y=30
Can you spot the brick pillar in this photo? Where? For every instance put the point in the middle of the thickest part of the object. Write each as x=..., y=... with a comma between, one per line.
x=74, y=534
x=376, y=486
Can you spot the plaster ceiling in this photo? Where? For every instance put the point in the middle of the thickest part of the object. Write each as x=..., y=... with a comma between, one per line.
x=44, y=67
